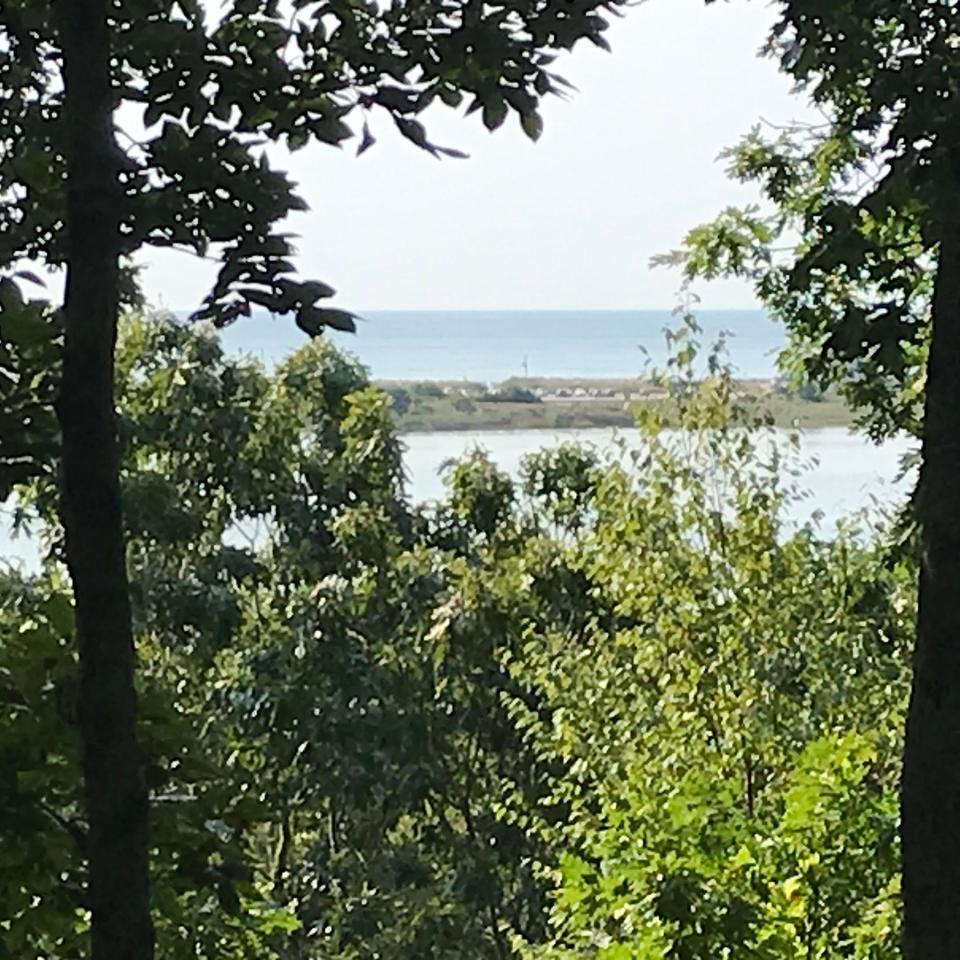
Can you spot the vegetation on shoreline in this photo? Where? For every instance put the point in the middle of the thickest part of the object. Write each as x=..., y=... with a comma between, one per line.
x=581, y=404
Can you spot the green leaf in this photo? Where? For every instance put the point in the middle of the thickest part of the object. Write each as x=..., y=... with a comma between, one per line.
x=494, y=113
x=451, y=96
x=58, y=610
x=30, y=277
x=367, y=140
x=415, y=132
x=313, y=320
x=532, y=124
x=24, y=327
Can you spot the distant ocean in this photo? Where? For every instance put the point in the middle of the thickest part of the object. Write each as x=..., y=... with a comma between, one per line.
x=491, y=346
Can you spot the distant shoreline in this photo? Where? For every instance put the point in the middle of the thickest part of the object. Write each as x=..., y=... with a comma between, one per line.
x=555, y=403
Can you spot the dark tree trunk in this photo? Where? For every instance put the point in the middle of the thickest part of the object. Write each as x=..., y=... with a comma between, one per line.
x=931, y=772
x=116, y=796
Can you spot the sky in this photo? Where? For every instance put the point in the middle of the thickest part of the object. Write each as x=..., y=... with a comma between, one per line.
x=624, y=168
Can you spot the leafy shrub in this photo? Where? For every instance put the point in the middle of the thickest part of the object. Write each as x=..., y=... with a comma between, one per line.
x=431, y=391
x=400, y=400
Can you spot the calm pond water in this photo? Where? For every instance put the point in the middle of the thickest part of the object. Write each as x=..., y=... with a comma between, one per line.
x=847, y=472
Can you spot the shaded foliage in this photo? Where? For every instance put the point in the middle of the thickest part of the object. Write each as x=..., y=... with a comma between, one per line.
x=844, y=251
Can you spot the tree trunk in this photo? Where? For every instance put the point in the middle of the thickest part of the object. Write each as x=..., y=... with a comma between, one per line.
x=931, y=771
x=116, y=795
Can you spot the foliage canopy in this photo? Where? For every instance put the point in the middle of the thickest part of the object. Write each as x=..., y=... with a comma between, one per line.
x=587, y=712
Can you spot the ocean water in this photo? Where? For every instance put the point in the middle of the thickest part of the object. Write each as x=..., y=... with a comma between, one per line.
x=490, y=346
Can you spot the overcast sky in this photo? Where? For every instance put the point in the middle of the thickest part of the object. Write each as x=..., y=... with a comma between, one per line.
x=622, y=171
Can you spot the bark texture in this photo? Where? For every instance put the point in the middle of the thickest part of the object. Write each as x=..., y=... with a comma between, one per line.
x=116, y=795
x=931, y=772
